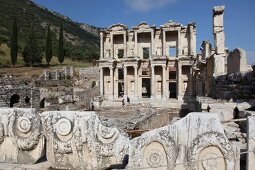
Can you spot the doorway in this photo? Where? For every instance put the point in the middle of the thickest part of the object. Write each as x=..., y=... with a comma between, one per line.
x=14, y=99
x=146, y=87
x=172, y=90
x=120, y=89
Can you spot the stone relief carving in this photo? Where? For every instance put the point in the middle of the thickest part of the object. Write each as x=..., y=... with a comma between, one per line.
x=20, y=132
x=73, y=137
x=78, y=140
x=208, y=141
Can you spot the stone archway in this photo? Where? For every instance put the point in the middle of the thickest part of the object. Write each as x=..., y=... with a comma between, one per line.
x=14, y=99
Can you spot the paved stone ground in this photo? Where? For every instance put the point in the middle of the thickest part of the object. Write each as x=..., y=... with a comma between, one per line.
x=40, y=166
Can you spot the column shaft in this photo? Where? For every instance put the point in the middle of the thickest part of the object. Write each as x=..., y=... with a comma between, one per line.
x=136, y=81
x=152, y=82
x=112, y=83
x=136, y=48
x=164, y=81
x=125, y=44
x=101, y=82
x=180, y=82
x=164, y=43
x=125, y=82
x=112, y=47
x=101, y=45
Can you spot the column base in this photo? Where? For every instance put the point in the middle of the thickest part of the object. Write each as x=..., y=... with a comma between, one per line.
x=180, y=98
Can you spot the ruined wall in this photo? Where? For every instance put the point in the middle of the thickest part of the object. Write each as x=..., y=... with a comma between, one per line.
x=236, y=61
x=234, y=85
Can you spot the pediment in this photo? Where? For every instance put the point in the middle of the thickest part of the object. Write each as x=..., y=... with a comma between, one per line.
x=117, y=27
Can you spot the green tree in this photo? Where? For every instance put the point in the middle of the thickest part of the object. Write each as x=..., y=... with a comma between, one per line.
x=32, y=52
x=14, y=43
x=48, y=46
x=60, y=45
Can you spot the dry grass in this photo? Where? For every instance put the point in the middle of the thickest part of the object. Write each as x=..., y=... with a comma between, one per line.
x=21, y=70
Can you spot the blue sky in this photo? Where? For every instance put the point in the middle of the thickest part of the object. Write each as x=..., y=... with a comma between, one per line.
x=238, y=18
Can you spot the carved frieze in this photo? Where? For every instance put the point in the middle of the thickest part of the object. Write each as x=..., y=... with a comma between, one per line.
x=20, y=132
x=78, y=140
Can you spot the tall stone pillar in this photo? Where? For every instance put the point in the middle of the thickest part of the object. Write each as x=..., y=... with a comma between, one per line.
x=191, y=39
x=190, y=82
x=152, y=82
x=167, y=82
x=101, y=45
x=125, y=44
x=164, y=43
x=179, y=44
x=125, y=82
x=101, y=81
x=219, y=41
x=180, y=82
x=164, y=82
x=112, y=47
x=152, y=44
x=136, y=82
x=115, y=84
x=218, y=29
x=136, y=47
x=112, y=82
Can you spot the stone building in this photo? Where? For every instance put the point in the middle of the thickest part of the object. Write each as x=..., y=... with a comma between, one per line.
x=147, y=62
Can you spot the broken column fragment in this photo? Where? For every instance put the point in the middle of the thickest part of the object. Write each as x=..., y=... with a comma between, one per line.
x=219, y=41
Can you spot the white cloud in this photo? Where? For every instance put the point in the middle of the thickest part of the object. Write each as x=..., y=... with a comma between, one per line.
x=146, y=5
x=250, y=57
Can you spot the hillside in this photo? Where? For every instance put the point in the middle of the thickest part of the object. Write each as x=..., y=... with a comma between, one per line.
x=80, y=41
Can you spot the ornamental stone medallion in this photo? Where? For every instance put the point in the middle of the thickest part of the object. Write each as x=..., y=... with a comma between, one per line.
x=78, y=140
x=21, y=140
x=197, y=138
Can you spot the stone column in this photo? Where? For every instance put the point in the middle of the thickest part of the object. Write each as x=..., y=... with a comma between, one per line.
x=125, y=82
x=152, y=82
x=191, y=39
x=101, y=82
x=115, y=83
x=152, y=43
x=136, y=82
x=167, y=82
x=112, y=83
x=180, y=82
x=112, y=47
x=139, y=86
x=164, y=43
x=136, y=50
x=163, y=82
x=190, y=82
x=101, y=45
x=179, y=48
x=125, y=44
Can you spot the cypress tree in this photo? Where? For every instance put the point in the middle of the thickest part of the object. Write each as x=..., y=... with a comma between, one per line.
x=33, y=55
x=48, y=46
x=14, y=43
x=60, y=45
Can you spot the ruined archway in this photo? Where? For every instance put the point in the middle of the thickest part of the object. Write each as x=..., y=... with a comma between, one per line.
x=14, y=99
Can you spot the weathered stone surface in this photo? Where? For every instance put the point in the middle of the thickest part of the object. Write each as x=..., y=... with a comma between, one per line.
x=194, y=139
x=21, y=140
x=78, y=140
x=251, y=143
